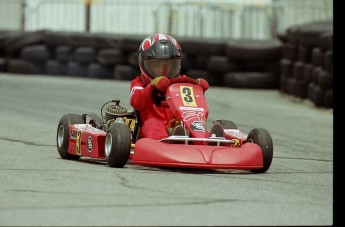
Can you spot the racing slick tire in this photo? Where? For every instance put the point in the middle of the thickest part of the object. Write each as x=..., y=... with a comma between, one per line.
x=117, y=145
x=62, y=135
x=226, y=124
x=262, y=138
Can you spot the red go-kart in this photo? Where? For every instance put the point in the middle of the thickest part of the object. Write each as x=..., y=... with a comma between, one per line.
x=115, y=137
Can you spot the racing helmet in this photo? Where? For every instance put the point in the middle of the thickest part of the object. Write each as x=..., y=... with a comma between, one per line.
x=159, y=55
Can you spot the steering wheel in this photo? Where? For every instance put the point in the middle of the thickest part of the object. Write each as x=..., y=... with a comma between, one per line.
x=159, y=97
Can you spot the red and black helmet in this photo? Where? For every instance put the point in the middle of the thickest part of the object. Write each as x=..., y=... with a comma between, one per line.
x=159, y=55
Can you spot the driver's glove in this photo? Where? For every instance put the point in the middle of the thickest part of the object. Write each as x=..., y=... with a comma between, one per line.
x=161, y=83
x=202, y=83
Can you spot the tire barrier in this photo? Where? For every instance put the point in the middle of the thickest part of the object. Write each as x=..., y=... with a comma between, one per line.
x=299, y=62
x=54, y=67
x=3, y=65
x=306, y=67
x=99, y=71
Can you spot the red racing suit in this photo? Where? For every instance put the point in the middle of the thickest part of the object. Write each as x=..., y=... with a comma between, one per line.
x=154, y=119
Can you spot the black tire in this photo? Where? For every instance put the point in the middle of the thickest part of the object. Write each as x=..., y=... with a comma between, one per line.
x=80, y=39
x=328, y=101
x=262, y=138
x=289, y=51
x=326, y=41
x=125, y=72
x=54, y=67
x=56, y=38
x=117, y=145
x=111, y=57
x=318, y=96
x=98, y=71
x=259, y=80
x=325, y=80
x=20, y=66
x=304, y=54
x=130, y=43
x=62, y=134
x=253, y=50
x=206, y=46
x=3, y=65
x=297, y=70
x=317, y=57
x=202, y=73
x=226, y=124
x=219, y=65
x=16, y=41
x=93, y=119
x=309, y=33
x=328, y=60
x=133, y=59
x=301, y=89
x=76, y=69
x=85, y=55
x=307, y=73
x=63, y=54
x=291, y=86
x=286, y=67
x=36, y=53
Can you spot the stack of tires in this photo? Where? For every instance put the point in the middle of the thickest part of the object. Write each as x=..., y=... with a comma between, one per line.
x=233, y=63
x=307, y=64
x=76, y=54
x=299, y=62
x=17, y=51
x=222, y=62
x=257, y=63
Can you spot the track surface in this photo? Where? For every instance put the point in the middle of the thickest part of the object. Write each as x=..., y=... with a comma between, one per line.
x=38, y=188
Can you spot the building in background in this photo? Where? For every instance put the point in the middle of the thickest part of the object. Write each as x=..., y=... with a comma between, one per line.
x=255, y=19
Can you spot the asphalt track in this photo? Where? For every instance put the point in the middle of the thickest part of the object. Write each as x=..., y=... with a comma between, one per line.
x=38, y=188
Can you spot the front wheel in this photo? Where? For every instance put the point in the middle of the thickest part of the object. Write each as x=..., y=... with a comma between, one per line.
x=262, y=138
x=63, y=134
x=117, y=145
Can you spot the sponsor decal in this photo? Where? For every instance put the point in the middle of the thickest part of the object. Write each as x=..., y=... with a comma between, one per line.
x=78, y=143
x=236, y=143
x=73, y=134
x=89, y=144
x=188, y=115
x=236, y=133
x=192, y=108
x=187, y=96
x=80, y=126
x=88, y=127
x=197, y=126
x=94, y=130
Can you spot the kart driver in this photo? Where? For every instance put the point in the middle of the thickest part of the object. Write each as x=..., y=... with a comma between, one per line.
x=159, y=58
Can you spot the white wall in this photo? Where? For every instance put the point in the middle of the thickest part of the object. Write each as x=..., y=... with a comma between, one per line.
x=258, y=19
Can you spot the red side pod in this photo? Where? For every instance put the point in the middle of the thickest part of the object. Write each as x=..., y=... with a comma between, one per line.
x=154, y=153
x=86, y=140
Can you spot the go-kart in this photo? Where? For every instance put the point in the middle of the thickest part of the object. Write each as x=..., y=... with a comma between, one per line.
x=115, y=137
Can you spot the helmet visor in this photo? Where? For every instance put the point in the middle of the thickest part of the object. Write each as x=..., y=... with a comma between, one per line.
x=156, y=67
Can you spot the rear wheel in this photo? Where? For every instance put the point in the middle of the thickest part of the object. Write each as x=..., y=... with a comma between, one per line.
x=262, y=138
x=117, y=145
x=226, y=124
x=63, y=134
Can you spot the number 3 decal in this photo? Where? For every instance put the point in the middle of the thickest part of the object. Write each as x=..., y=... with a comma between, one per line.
x=187, y=96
